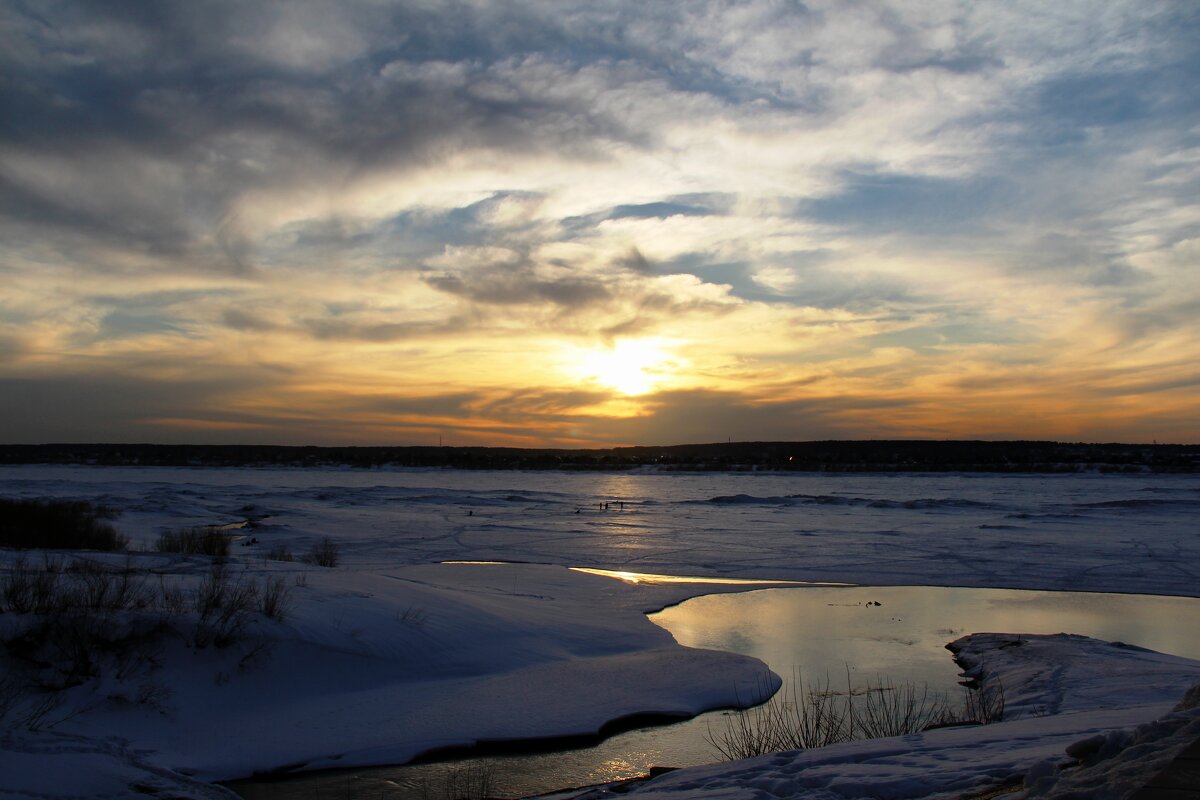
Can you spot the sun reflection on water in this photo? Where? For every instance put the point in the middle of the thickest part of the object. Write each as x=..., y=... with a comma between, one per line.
x=650, y=577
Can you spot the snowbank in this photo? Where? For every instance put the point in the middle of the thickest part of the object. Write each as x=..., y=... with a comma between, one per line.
x=380, y=667
x=1062, y=690
x=1113, y=763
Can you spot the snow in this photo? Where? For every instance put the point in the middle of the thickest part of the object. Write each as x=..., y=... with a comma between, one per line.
x=1104, y=533
x=1115, y=761
x=380, y=667
x=1061, y=690
x=390, y=655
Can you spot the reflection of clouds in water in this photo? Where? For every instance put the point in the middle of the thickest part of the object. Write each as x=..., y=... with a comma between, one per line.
x=830, y=631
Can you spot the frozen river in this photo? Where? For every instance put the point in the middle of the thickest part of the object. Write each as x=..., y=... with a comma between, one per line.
x=1112, y=533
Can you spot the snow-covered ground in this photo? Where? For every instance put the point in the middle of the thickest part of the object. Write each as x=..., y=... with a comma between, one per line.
x=391, y=654
x=1063, y=692
x=378, y=667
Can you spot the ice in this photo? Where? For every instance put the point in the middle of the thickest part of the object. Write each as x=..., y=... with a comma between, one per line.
x=392, y=654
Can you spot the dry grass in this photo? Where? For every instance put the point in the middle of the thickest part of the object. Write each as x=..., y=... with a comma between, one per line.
x=70, y=623
x=58, y=525
x=324, y=553
x=209, y=541
x=799, y=717
x=279, y=552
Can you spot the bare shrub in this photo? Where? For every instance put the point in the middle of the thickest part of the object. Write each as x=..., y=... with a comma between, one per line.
x=793, y=719
x=172, y=600
x=68, y=648
x=24, y=589
x=155, y=695
x=13, y=692
x=225, y=605
x=279, y=552
x=58, y=525
x=209, y=541
x=103, y=587
x=985, y=704
x=88, y=620
x=34, y=714
x=324, y=553
x=275, y=598
x=885, y=709
x=800, y=718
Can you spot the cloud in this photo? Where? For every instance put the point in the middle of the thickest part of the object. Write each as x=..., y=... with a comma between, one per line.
x=634, y=261
x=336, y=329
x=790, y=194
x=241, y=320
x=706, y=416
x=658, y=210
x=92, y=407
x=521, y=287
x=11, y=348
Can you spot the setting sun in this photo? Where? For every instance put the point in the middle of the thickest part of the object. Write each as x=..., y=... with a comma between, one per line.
x=631, y=367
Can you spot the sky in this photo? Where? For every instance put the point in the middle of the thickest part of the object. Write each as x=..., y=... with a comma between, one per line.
x=593, y=223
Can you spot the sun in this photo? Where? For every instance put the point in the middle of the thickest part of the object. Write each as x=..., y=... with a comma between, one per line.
x=631, y=366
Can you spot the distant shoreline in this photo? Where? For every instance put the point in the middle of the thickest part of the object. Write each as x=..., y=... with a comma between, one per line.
x=821, y=456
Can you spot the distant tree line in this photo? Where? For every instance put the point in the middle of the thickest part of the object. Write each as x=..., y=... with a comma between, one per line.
x=824, y=456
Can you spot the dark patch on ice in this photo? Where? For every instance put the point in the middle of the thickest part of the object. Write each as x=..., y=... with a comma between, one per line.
x=1027, y=515
x=1001, y=528
x=1134, y=503
x=920, y=504
x=730, y=499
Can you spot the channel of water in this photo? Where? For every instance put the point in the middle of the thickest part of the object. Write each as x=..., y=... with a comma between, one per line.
x=866, y=632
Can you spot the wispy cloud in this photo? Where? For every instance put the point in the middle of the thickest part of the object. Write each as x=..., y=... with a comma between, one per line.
x=830, y=219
